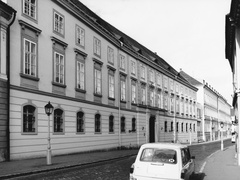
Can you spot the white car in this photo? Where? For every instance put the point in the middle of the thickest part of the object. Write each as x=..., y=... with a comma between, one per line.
x=162, y=161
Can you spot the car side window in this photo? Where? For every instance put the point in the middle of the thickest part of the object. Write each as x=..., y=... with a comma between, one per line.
x=185, y=153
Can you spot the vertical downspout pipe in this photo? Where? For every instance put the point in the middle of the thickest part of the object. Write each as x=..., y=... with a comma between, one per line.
x=8, y=83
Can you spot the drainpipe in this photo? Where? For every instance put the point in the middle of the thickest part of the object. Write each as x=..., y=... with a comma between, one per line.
x=119, y=100
x=8, y=82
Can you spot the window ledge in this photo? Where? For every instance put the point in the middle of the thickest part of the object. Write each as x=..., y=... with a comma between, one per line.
x=29, y=77
x=59, y=85
x=110, y=98
x=80, y=90
x=98, y=95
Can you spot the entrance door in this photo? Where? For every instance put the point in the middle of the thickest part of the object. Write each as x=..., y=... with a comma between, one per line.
x=152, y=129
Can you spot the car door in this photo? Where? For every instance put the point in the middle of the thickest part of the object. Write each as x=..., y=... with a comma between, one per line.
x=187, y=164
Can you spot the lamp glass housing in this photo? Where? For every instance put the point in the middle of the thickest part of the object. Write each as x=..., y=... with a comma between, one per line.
x=48, y=108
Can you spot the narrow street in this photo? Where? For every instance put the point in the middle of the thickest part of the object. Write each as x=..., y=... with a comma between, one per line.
x=119, y=170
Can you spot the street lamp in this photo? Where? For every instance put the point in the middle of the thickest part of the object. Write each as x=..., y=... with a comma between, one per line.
x=221, y=125
x=48, y=110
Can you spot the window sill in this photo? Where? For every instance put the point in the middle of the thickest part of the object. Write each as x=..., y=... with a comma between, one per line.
x=29, y=133
x=59, y=85
x=80, y=90
x=80, y=133
x=110, y=98
x=98, y=95
x=29, y=77
x=97, y=133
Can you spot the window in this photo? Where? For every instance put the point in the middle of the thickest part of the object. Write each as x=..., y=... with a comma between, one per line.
x=177, y=106
x=29, y=8
x=142, y=71
x=186, y=157
x=186, y=127
x=58, y=68
x=58, y=26
x=97, y=123
x=123, y=88
x=151, y=98
x=134, y=92
x=80, y=36
x=182, y=127
x=110, y=55
x=123, y=125
x=111, y=84
x=30, y=64
x=151, y=76
x=111, y=123
x=159, y=100
x=122, y=62
x=29, y=119
x=171, y=126
x=133, y=67
x=133, y=124
x=143, y=93
x=98, y=81
x=80, y=75
x=154, y=155
x=165, y=101
x=165, y=83
x=165, y=126
x=58, y=120
x=194, y=128
x=159, y=80
x=172, y=103
x=97, y=47
x=177, y=124
x=80, y=122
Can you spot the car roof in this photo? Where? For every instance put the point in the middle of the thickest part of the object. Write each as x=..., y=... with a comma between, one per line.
x=164, y=145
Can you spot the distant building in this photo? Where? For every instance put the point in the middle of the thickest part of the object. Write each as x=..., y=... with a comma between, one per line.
x=108, y=91
x=212, y=109
x=7, y=16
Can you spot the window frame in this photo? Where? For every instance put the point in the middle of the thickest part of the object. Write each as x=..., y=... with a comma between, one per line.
x=123, y=124
x=80, y=36
x=123, y=88
x=97, y=124
x=80, y=75
x=80, y=123
x=60, y=29
x=134, y=124
x=110, y=55
x=122, y=62
x=30, y=60
x=59, y=68
x=133, y=92
x=35, y=126
x=58, y=127
x=27, y=15
x=96, y=47
x=111, y=85
x=111, y=124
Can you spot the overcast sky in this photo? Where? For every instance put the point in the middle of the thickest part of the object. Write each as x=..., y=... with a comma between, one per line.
x=188, y=34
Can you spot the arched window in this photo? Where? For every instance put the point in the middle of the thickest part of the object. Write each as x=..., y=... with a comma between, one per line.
x=133, y=124
x=58, y=120
x=80, y=122
x=29, y=119
x=98, y=123
x=111, y=123
x=123, y=124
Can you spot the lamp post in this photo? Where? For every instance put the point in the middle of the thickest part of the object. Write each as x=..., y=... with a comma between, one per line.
x=221, y=125
x=48, y=110
x=190, y=132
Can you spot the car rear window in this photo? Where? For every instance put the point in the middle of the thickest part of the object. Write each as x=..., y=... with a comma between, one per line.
x=159, y=155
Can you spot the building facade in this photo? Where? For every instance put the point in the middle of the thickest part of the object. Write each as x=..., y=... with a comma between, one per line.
x=7, y=16
x=108, y=91
x=212, y=109
x=232, y=53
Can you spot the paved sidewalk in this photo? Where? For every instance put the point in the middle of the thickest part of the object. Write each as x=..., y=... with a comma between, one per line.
x=222, y=165
x=30, y=166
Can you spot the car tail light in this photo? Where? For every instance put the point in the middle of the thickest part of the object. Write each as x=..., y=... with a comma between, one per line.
x=131, y=168
x=183, y=173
